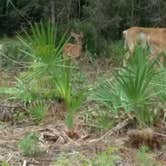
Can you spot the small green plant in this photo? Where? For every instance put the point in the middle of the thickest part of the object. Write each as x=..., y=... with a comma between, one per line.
x=78, y=99
x=117, y=48
x=24, y=91
x=143, y=158
x=38, y=111
x=144, y=149
x=65, y=90
x=4, y=163
x=29, y=145
x=117, y=51
x=107, y=158
x=103, y=119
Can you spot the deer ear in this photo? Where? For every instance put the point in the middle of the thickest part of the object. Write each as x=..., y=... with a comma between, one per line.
x=72, y=33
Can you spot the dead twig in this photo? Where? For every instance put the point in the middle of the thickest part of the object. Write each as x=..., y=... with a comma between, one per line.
x=70, y=141
x=113, y=130
x=24, y=163
x=10, y=157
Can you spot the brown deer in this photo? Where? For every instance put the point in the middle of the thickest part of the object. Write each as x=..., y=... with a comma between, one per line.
x=155, y=38
x=74, y=51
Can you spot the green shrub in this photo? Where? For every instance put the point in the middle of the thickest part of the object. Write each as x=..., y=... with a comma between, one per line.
x=41, y=45
x=134, y=81
x=49, y=75
x=38, y=111
x=131, y=89
x=29, y=145
x=143, y=158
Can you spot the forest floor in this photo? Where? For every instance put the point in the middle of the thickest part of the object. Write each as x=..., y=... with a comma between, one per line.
x=84, y=145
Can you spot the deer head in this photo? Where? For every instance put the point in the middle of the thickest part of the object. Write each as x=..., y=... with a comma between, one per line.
x=77, y=36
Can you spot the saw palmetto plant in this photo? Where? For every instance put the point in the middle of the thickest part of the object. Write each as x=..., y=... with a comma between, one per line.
x=131, y=88
x=49, y=75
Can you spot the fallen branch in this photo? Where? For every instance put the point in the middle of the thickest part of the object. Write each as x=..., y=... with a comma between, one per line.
x=114, y=130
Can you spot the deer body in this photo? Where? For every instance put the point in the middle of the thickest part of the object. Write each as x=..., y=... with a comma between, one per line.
x=74, y=50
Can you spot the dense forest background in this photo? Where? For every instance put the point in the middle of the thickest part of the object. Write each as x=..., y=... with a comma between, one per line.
x=100, y=20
